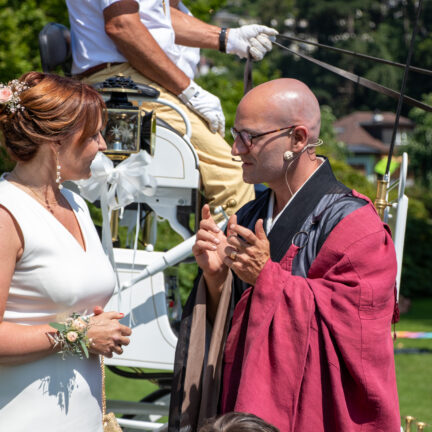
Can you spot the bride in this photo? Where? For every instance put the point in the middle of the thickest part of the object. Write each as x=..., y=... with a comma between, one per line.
x=52, y=266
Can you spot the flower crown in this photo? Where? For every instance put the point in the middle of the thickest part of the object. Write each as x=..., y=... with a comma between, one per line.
x=10, y=95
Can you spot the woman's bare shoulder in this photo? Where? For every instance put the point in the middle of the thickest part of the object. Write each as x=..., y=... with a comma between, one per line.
x=11, y=237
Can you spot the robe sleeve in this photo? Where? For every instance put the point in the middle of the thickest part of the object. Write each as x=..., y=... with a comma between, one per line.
x=318, y=350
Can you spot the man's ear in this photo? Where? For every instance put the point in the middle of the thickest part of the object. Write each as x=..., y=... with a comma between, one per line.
x=300, y=138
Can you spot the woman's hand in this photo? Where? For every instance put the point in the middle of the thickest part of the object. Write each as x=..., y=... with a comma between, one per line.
x=107, y=334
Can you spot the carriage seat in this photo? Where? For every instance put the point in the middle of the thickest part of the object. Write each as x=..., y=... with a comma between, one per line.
x=55, y=48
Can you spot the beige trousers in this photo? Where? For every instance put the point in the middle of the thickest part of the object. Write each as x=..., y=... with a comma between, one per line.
x=221, y=177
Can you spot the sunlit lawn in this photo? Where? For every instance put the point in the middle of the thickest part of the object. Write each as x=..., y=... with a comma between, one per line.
x=414, y=370
x=128, y=389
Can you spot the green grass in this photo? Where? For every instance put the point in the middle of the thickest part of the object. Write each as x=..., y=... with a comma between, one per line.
x=128, y=389
x=414, y=371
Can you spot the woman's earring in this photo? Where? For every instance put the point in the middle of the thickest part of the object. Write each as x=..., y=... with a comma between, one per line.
x=58, y=175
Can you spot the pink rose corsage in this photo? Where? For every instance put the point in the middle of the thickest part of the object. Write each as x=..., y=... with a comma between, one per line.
x=10, y=95
x=71, y=336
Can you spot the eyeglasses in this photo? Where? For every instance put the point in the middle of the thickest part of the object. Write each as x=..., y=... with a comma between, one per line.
x=247, y=137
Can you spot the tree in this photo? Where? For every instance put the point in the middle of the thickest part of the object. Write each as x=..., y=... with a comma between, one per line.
x=20, y=23
x=419, y=147
x=204, y=9
x=382, y=29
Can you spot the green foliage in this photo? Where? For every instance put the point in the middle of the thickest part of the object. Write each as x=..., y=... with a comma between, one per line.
x=187, y=271
x=333, y=17
x=20, y=23
x=268, y=12
x=337, y=153
x=381, y=29
x=416, y=272
x=6, y=164
x=332, y=148
x=204, y=9
x=369, y=26
x=419, y=147
x=119, y=388
x=95, y=213
x=353, y=179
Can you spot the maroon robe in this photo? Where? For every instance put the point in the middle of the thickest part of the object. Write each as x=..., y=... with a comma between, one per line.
x=316, y=354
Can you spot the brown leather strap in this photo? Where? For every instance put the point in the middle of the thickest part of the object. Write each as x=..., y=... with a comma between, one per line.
x=247, y=77
x=360, y=80
x=95, y=69
x=356, y=54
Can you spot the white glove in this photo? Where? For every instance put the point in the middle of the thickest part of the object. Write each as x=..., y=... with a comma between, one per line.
x=206, y=105
x=255, y=36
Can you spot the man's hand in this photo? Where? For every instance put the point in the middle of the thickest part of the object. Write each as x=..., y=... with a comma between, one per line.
x=247, y=255
x=210, y=245
x=206, y=105
x=209, y=251
x=254, y=36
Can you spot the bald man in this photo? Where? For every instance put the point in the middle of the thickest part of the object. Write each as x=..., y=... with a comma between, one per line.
x=291, y=316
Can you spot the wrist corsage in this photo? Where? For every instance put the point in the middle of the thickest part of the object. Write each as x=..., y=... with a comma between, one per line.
x=71, y=335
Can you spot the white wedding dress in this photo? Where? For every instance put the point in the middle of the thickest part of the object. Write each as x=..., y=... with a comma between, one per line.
x=54, y=277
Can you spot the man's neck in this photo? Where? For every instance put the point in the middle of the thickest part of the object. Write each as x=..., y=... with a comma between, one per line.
x=283, y=193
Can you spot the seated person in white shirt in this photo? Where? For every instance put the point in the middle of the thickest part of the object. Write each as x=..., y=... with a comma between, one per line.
x=138, y=39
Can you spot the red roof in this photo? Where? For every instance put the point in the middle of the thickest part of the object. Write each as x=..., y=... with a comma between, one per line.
x=353, y=130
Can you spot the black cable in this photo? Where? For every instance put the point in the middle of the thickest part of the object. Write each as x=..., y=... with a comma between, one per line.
x=355, y=54
x=402, y=91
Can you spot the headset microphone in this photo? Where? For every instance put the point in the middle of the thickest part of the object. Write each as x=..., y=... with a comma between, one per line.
x=288, y=155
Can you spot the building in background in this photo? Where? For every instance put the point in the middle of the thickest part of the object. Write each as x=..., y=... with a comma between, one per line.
x=367, y=136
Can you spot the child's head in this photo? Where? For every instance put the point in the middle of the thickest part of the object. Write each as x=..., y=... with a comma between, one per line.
x=237, y=422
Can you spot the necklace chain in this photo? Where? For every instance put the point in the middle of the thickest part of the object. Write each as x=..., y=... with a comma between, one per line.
x=43, y=201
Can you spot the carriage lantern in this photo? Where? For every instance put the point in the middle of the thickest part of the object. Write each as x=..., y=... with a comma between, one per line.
x=129, y=128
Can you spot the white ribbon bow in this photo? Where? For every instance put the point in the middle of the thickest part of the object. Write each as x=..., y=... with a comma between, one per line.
x=121, y=185
x=116, y=187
